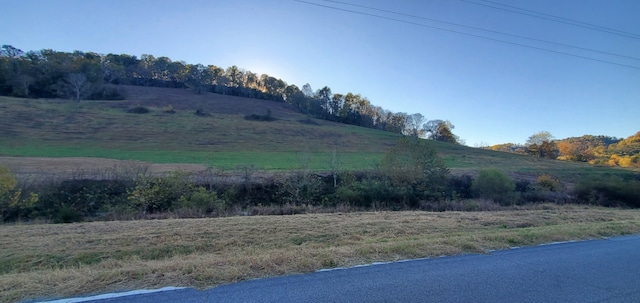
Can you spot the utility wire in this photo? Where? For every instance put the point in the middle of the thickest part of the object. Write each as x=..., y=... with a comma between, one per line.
x=484, y=30
x=523, y=11
x=463, y=33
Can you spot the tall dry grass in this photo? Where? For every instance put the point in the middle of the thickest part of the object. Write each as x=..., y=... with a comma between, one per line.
x=38, y=261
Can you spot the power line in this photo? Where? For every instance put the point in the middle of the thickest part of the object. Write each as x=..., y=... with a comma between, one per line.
x=523, y=11
x=463, y=33
x=485, y=30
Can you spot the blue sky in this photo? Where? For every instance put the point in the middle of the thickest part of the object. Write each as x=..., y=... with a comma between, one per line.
x=493, y=92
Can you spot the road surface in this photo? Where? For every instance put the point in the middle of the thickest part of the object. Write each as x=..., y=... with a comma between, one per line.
x=588, y=271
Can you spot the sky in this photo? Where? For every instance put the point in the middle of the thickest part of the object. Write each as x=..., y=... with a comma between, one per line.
x=405, y=56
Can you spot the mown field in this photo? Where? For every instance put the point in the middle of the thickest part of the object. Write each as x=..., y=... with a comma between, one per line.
x=51, y=261
x=222, y=138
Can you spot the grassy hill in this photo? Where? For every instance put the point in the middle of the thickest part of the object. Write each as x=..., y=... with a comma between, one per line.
x=220, y=136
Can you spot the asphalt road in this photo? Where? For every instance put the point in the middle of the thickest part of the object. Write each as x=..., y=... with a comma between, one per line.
x=589, y=271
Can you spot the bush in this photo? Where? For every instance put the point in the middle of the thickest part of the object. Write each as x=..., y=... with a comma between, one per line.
x=495, y=185
x=14, y=204
x=523, y=186
x=138, y=110
x=202, y=201
x=372, y=193
x=308, y=121
x=460, y=187
x=153, y=195
x=414, y=168
x=74, y=200
x=301, y=188
x=613, y=191
x=202, y=113
x=546, y=182
x=106, y=93
x=255, y=117
x=169, y=109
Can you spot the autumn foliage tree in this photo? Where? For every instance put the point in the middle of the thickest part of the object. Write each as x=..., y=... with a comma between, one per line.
x=541, y=144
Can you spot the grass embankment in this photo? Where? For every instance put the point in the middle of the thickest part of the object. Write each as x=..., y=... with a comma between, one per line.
x=64, y=260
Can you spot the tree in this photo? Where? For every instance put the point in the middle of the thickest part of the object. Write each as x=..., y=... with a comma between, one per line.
x=414, y=163
x=196, y=77
x=440, y=130
x=430, y=128
x=77, y=82
x=539, y=137
x=396, y=122
x=307, y=90
x=495, y=185
x=234, y=75
x=294, y=96
x=414, y=125
x=444, y=133
x=24, y=82
x=10, y=51
x=324, y=98
x=216, y=73
x=18, y=70
x=541, y=144
x=336, y=104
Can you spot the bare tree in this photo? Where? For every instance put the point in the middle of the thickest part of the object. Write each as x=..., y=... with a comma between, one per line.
x=540, y=137
x=430, y=128
x=414, y=124
x=335, y=166
x=24, y=82
x=77, y=82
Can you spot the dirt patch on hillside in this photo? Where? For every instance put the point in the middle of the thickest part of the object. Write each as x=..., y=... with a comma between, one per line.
x=208, y=103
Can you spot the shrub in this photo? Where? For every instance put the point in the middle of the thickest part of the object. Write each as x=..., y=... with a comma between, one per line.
x=460, y=187
x=371, y=193
x=138, y=110
x=414, y=166
x=152, y=195
x=546, y=182
x=74, y=200
x=14, y=204
x=495, y=185
x=202, y=200
x=255, y=117
x=613, y=191
x=169, y=109
x=201, y=113
x=300, y=188
x=106, y=93
x=308, y=121
x=523, y=186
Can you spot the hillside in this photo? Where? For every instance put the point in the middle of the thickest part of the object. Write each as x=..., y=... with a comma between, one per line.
x=221, y=136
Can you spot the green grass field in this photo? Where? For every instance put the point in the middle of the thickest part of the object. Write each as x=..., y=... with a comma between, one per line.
x=224, y=139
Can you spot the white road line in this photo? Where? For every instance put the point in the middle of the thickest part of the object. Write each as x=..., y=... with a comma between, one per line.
x=112, y=295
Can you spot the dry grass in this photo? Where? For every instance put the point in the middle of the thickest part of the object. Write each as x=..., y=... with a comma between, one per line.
x=64, y=260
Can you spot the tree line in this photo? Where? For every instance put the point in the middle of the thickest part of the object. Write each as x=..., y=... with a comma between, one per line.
x=88, y=75
x=596, y=150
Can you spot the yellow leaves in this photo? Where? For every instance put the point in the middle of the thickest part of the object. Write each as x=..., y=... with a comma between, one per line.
x=624, y=161
x=7, y=180
x=12, y=200
x=548, y=182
